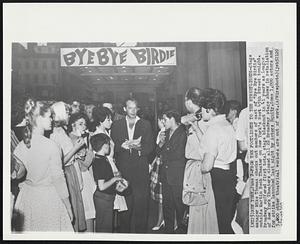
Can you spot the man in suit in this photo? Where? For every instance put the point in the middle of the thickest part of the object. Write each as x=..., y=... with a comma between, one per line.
x=133, y=164
x=172, y=150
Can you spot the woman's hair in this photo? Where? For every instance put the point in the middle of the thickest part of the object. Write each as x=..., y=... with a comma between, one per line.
x=73, y=118
x=173, y=114
x=32, y=109
x=196, y=96
x=60, y=114
x=98, y=140
x=100, y=114
x=214, y=99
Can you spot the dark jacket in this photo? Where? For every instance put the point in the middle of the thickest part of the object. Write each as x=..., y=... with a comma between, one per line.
x=134, y=167
x=173, y=156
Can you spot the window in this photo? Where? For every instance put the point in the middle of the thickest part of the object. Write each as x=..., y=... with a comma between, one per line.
x=27, y=65
x=36, y=64
x=36, y=78
x=27, y=77
x=53, y=64
x=45, y=64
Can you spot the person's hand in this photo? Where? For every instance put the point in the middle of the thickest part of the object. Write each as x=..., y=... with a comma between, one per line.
x=136, y=146
x=116, y=178
x=162, y=137
x=79, y=143
x=125, y=145
x=117, y=174
x=194, y=126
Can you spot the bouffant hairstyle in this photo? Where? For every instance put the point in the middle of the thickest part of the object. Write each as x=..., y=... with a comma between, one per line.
x=60, y=113
x=214, y=99
x=73, y=118
x=100, y=114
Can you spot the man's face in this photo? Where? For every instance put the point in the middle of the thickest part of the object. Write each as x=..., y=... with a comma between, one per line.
x=131, y=109
x=167, y=122
x=231, y=115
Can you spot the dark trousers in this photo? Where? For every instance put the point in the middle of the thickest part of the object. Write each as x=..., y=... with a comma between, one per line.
x=223, y=183
x=172, y=202
x=135, y=219
x=104, y=204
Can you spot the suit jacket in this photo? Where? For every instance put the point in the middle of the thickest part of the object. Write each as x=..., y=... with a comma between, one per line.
x=133, y=166
x=173, y=156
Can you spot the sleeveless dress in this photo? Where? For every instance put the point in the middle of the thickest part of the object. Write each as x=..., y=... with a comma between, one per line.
x=39, y=200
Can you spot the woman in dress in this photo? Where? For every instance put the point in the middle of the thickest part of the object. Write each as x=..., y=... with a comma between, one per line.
x=43, y=199
x=84, y=157
x=202, y=211
x=71, y=167
x=155, y=184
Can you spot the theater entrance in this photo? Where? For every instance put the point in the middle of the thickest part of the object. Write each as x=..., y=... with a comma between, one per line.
x=145, y=81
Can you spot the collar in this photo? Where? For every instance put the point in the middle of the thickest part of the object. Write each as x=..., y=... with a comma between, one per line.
x=98, y=131
x=99, y=156
x=137, y=118
x=216, y=119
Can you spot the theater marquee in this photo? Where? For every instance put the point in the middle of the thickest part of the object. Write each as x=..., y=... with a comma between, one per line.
x=118, y=56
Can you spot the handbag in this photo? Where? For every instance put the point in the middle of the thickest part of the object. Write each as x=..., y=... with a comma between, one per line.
x=121, y=186
x=194, y=185
x=154, y=173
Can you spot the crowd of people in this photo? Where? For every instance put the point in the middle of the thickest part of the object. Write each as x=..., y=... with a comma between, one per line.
x=90, y=169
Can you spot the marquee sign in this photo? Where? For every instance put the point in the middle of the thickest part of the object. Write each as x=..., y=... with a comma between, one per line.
x=118, y=56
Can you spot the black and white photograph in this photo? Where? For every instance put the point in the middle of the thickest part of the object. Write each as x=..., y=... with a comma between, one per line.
x=165, y=138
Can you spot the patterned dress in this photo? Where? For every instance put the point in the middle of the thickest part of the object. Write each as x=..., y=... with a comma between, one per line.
x=39, y=200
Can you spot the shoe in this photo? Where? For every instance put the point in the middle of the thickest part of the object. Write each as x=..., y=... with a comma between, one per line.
x=157, y=227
